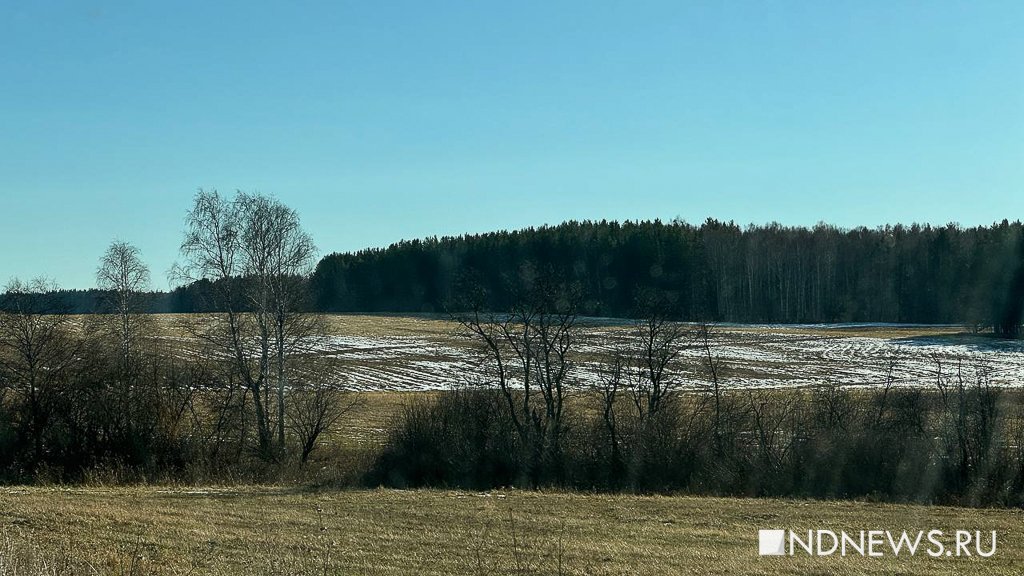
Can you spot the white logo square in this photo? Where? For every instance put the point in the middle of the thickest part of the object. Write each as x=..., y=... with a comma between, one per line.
x=771, y=542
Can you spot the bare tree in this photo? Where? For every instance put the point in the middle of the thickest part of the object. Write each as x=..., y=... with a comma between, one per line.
x=37, y=346
x=776, y=426
x=315, y=407
x=968, y=429
x=658, y=343
x=644, y=366
x=124, y=277
x=529, y=351
x=257, y=257
x=612, y=381
x=713, y=367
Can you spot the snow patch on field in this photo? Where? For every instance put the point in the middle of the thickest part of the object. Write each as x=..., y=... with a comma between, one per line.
x=396, y=362
x=752, y=356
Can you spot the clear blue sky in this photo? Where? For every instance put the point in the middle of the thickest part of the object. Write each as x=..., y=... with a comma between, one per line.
x=386, y=120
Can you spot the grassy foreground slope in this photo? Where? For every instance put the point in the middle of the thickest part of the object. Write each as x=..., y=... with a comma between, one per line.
x=282, y=531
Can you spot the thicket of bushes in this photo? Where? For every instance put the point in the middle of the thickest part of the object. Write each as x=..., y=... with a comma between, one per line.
x=95, y=417
x=72, y=409
x=531, y=421
x=959, y=443
x=956, y=439
x=171, y=422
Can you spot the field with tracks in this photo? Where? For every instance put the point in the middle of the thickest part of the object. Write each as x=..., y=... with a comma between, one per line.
x=407, y=353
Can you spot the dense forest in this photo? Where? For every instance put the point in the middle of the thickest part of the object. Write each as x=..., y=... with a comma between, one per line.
x=715, y=271
x=77, y=301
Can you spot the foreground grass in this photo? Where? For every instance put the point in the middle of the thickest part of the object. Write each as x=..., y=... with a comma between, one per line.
x=286, y=531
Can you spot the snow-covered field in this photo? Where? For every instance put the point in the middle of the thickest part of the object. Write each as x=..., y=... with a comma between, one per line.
x=398, y=362
x=774, y=359
x=751, y=355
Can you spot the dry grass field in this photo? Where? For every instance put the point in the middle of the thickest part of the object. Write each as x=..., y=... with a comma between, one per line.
x=285, y=531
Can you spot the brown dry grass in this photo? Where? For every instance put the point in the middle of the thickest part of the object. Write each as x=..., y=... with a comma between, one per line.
x=438, y=326
x=279, y=531
x=390, y=325
x=372, y=417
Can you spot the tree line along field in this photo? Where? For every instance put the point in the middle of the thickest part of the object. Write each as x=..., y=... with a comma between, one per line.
x=715, y=271
x=395, y=371
x=62, y=531
x=388, y=362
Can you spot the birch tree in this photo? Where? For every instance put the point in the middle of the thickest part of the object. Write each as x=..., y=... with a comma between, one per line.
x=124, y=277
x=257, y=257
